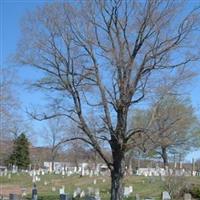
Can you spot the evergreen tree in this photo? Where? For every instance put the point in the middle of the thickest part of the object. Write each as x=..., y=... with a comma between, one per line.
x=20, y=154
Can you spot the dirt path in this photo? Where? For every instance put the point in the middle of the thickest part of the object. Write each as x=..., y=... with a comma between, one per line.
x=5, y=190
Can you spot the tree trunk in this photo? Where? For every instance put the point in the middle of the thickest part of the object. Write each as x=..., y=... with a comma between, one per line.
x=117, y=176
x=165, y=157
x=52, y=163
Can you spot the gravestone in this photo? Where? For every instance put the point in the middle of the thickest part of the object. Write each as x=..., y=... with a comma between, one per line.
x=128, y=191
x=45, y=183
x=166, y=196
x=137, y=197
x=37, y=179
x=131, y=188
x=5, y=172
x=87, y=172
x=90, y=190
x=75, y=169
x=68, y=173
x=97, y=196
x=162, y=178
x=63, y=173
x=82, y=194
x=34, y=179
x=91, y=173
x=23, y=192
x=187, y=196
x=97, y=192
x=77, y=192
x=62, y=190
x=14, y=197
x=53, y=189
x=65, y=197
x=34, y=192
x=89, y=198
x=9, y=176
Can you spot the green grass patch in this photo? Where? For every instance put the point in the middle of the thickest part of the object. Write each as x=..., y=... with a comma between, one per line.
x=144, y=186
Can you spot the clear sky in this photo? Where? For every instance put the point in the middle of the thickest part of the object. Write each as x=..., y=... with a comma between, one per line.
x=11, y=12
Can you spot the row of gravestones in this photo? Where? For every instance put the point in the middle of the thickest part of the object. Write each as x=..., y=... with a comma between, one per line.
x=165, y=196
x=79, y=193
x=163, y=172
x=65, y=171
x=62, y=197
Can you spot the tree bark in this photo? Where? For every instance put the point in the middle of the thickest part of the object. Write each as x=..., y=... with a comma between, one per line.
x=52, y=165
x=52, y=162
x=165, y=157
x=117, y=176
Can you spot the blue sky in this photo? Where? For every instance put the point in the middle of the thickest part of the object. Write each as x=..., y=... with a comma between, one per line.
x=11, y=13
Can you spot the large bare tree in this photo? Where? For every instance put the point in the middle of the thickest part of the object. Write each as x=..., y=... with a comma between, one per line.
x=102, y=57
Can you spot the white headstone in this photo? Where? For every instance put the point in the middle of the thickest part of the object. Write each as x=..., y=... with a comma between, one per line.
x=53, y=189
x=187, y=196
x=75, y=169
x=34, y=179
x=82, y=194
x=137, y=197
x=166, y=196
x=127, y=191
x=91, y=173
x=97, y=194
x=45, y=182
x=23, y=192
x=62, y=190
x=75, y=194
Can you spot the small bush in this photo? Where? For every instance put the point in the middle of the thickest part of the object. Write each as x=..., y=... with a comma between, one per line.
x=195, y=191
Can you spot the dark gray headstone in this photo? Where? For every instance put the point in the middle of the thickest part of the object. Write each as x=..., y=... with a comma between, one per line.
x=65, y=197
x=90, y=198
x=34, y=193
x=14, y=197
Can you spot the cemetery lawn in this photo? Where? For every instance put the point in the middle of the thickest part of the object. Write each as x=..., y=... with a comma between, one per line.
x=144, y=186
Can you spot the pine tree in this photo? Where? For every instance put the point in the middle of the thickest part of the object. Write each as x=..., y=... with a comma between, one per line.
x=20, y=154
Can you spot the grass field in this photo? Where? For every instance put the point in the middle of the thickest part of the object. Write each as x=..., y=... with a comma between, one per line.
x=144, y=186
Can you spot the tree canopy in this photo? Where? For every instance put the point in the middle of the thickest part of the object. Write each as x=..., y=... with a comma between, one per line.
x=170, y=127
x=103, y=57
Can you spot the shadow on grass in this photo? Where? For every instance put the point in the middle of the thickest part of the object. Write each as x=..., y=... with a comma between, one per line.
x=46, y=197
